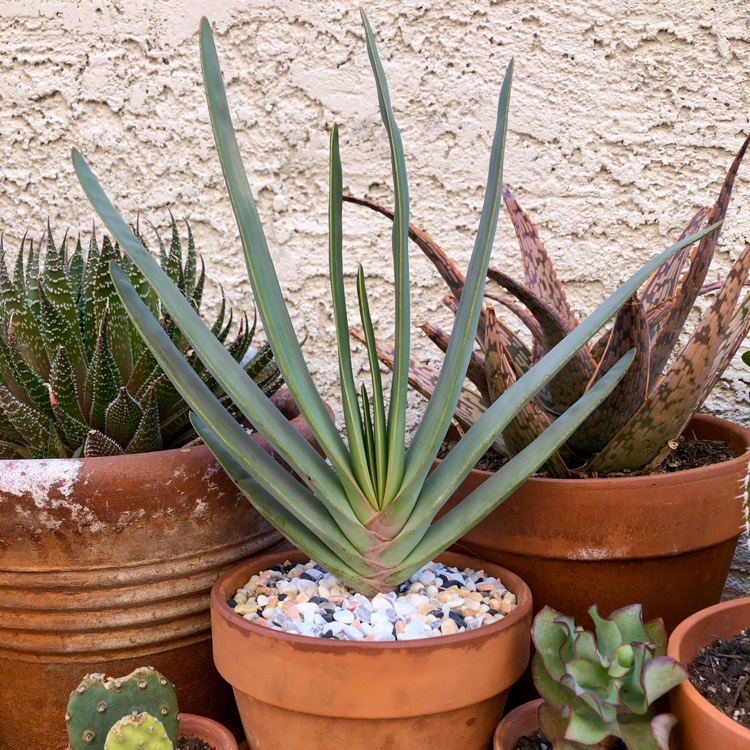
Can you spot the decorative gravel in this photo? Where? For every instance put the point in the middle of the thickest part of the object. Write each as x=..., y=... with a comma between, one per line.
x=437, y=600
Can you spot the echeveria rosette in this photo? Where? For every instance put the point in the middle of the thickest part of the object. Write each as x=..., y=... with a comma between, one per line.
x=599, y=686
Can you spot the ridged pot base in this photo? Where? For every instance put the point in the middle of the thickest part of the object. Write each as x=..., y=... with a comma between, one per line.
x=302, y=693
x=106, y=564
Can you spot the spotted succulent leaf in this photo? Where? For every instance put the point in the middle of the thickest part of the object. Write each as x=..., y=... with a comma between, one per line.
x=147, y=436
x=104, y=382
x=63, y=388
x=540, y=275
x=122, y=418
x=32, y=425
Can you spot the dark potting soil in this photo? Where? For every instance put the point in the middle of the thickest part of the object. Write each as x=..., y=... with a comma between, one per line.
x=685, y=454
x=193, y=743
x=537, y=741
x=720, y=672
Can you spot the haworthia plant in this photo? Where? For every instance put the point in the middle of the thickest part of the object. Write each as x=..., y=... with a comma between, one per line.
x=368, y=509
x=76, y=379
x=631, y=430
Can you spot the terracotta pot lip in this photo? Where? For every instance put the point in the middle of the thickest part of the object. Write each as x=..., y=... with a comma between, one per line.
x=207, y=729
x=521, y=710
x=516, y=716
x=683, y=476
x=676, y=639
x=94, y=460
x=261, y=562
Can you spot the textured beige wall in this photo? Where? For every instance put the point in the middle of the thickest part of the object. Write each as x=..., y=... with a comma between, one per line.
x=625, y=115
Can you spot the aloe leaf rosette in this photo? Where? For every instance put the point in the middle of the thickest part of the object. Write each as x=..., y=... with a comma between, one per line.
x=365, y=510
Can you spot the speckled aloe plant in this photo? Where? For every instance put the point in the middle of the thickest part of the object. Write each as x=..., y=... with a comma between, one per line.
x=76, y=378
x=600, y=686
x=116, y=713
x=652, y=404
x=367, y=511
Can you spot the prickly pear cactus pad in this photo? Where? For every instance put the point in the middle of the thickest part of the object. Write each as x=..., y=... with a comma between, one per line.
x=138, y=732
x=99, y=702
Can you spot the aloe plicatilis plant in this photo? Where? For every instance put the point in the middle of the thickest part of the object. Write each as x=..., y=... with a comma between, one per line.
x=632, y=429
x=367, y=511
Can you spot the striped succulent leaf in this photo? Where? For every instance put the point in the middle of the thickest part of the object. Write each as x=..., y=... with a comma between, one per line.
x=76, y=378
x=631, y=429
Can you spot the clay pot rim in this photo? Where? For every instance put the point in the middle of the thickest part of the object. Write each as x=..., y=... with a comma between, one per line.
x=207, y=729
x=510, y=580
x=676, y=639
x=684, y=476
x=518, y=714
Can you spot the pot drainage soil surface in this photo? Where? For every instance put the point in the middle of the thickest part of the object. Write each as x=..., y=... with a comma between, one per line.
x=537, y=741
x=193, y=743
x=720, y=672
x=685, y=454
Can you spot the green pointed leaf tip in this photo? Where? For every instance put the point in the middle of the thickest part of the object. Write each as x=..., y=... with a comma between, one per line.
x=72, y=360
x=604, y=672
x=376, y=526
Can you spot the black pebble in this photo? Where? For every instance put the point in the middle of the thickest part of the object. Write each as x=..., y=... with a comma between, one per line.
x=492, y=611
x=451, y=582
x=281, y=597
x=328, y=634
x=437, y=613
x=456, y=617
x=317, y=600
x=308, y=577
x=232, y=603
x=327, y=616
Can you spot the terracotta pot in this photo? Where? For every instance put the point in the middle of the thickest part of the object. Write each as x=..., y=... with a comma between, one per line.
x=107, y=564
x=301, y=693
x=211, y=732
x=208, y=730
x=665, y=541
x=518, y=723
x=700, y=725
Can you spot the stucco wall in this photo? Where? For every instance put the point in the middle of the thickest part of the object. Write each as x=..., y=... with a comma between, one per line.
x=624, y=118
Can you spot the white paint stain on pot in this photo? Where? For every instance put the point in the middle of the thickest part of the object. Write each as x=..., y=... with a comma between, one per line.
x=49, y=486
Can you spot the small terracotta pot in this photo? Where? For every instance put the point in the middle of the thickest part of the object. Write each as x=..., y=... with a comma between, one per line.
x=518, y=723
x=211, y=732
x=701, y=725
x=208, y=730
x=663, y=540
x=301, y=693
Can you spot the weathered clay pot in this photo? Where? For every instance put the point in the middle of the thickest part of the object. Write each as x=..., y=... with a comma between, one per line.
x=700, y=725
x=208, y=730
x=300, y=693
x=106, y=564
x=518, y=723
x=665, y=540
